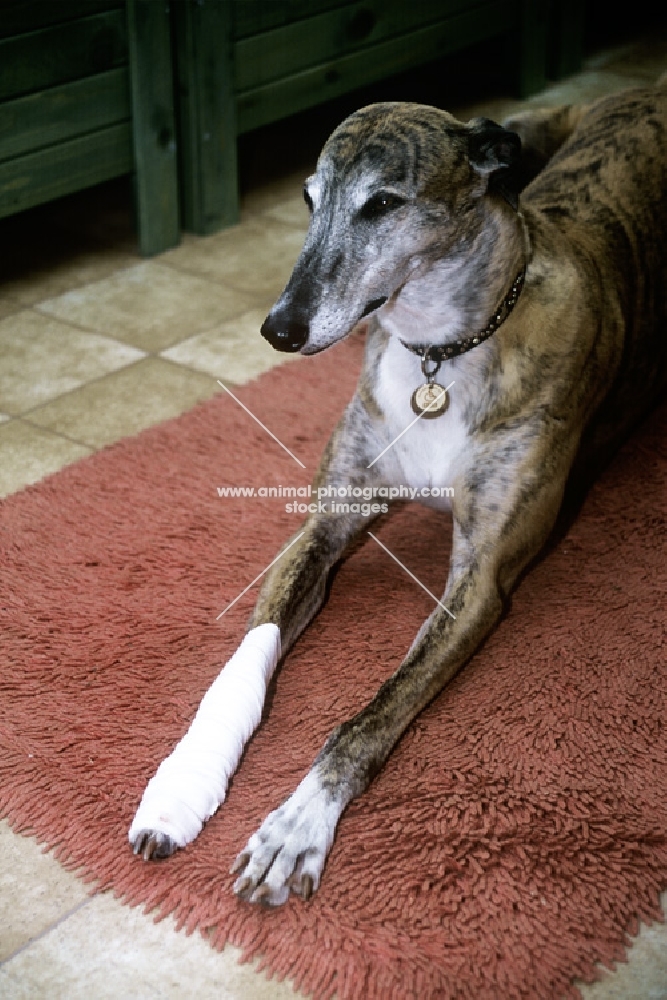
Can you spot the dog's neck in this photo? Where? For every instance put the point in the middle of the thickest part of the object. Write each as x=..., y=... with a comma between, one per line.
x=445, y=352
x=455, y=301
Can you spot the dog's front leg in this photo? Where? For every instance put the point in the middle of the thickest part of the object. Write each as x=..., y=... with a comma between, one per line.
x=192, y=781
x=490, y=547
x=289, y=850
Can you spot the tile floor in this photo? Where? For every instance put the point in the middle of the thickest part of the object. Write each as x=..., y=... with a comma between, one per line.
x=96, y=344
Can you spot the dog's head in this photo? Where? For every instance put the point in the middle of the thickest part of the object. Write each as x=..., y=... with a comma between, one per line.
x=397, y=188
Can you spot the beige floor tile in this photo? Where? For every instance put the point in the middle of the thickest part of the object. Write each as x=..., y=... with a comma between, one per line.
x=8, y=305
x=149, y=305
x=256, y=257
x=3, y=417
x=291, y=212
x=41, y=357
x=10, y=989
x=234, y=352
x=35, y=891
x=266, y=197
x=125, y=402
x=28, y=454
x=644, y=975
x=106, y=950
x=59, y=264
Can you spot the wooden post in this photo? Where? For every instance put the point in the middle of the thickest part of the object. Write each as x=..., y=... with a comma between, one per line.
x=534, y=18
x=209, y=178
x=569, y=16
x=153, y=125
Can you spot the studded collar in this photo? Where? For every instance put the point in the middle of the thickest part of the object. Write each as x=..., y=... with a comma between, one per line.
x=444, y=352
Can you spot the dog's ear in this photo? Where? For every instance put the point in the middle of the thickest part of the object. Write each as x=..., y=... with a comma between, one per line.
x=490, y=146
x=494, y=151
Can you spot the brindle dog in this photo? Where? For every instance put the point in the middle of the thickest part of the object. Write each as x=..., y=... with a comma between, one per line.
x=550, y=323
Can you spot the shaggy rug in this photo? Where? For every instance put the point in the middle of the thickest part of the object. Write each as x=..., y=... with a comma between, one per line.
x=519, y=831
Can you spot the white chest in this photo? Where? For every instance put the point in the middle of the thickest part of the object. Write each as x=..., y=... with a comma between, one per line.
x=425, y=454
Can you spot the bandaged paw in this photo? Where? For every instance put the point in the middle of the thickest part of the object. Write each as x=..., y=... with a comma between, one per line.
x=191, y=782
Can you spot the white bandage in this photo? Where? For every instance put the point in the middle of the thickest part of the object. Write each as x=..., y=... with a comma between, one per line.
x=191, y=782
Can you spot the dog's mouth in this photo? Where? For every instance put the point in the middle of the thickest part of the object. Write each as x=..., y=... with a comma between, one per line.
x=372, y=306
x=369, y=308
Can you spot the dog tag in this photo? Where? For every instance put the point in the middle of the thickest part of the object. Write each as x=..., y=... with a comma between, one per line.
x=429, y=400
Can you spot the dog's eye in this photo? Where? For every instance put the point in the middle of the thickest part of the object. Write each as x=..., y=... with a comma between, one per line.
x=380, y=204
x=308, y=200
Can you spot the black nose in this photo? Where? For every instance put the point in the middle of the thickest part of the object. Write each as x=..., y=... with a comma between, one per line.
x=283, y=334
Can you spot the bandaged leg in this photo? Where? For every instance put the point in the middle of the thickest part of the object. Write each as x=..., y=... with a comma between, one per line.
x=191, y=782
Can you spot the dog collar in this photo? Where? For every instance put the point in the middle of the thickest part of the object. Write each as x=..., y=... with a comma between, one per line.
x=444, y=352
x=430, y=399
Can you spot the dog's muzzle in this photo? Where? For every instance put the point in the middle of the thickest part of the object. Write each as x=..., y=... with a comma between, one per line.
x=284, y=335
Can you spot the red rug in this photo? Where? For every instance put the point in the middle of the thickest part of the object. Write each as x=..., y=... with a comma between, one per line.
x=518, y=832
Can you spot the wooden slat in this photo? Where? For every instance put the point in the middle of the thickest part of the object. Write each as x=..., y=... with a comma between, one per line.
x=278, y=99
x=568, y=36
x=252, y=16
x=63, y=52
x=315, y=40
x=19, y=16
x=153, y=125
x=69, y=166
x=38, y=120
x=209, y=186
x=532, y=41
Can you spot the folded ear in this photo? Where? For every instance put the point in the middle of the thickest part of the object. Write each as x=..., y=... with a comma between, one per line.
x=490, y=146
x=493, y=149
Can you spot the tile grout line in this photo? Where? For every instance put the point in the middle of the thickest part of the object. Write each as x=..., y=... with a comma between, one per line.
x=190, y=273
x=24, y=417
x=87, y=284
x=47, y=930
x=91, y=448
x=25, y=414
x=117, y=272
x=45, y=314
x=92, y=381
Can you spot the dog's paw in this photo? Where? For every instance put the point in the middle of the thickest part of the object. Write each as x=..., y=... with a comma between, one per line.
x=152, y=844
x=288, y=852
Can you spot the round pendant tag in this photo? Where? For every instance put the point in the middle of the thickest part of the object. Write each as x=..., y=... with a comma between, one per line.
x=429, y=400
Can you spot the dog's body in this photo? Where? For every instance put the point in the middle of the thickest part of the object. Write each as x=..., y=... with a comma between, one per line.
x=411, y=227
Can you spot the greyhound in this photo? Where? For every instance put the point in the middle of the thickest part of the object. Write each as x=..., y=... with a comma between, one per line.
x=544, y=319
